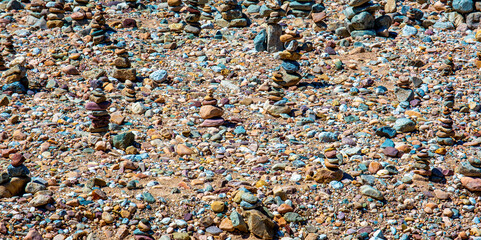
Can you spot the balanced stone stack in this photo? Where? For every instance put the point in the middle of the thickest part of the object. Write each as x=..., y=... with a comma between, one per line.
x=55, y=16
x=129, y=91
x=277, y=105
x=421, y=164
x=192, y=18
x=98, y=26
x=7, y=44
x=174, y=5
x=35, y=11
x=274, y=30
x=206, y=13
x=471, y=172
x=131, y=3
x=123, y=70
x=14, y=181
x=231, y=14
x=445, y=131
x=210, y=112
x=331, y=172
x=288, y=75
x=2, y=64
x=15, y=79
x=302, y=8
x=447, y=68
x=403, y=91
x=360, y=20
x=98, y=108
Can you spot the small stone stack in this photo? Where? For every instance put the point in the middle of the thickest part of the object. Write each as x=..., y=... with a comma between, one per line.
x=331, y=172
x=98, y=108
x=301, y=8
x=174, y=5
x=471, y=171
x=55, y=16
x=360, y=20
x=81, y=3
x=288, y=75
x=98, y=26
x=403, y=91
x=274, y=30
x=231, y=14
x=210, y=112
x=421, y=163
x=7, y=44
x=35, y=9
x=445, y=131
x=15, y=79
x=131, y=3
x=2, y=64
x=447, y=68
x=129, y=91
x=277, y=105
x=192, y=18
x=206, y=13
x=123, y=70
x=14, y=181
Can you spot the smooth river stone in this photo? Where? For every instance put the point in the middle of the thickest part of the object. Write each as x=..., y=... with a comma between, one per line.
x=97, y=106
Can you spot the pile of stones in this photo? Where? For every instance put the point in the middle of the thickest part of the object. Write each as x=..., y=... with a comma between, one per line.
x=421, y=164
x=403, y=91
x=82, y=13
x=360, y=20
x=192, y=18
x=206, y=13
x=331, y=171
x=129, y=91
x=461, y=11
x=55, y=16
x=210, y=112
x=98, y=106
x=2, y=64
x=15, y=78
x=14, y=181
x=471, y=171
x=35, y=10
x=174, y=5
x=7, y=44
x=288, y=75
x=123, y=70
x=231, y=15
x=98, y=26
x=445, y=133
x=303, y=8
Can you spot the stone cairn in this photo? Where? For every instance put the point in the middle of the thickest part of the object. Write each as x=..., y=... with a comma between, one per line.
x=14, y=181
x=2, y=64
x=7, y=44
x=98, y=108
x=206, y=13
x=210, y=112
x=302, y=8
x=35, y=10
x=445, y=131
x=82, y=14
x=55, y=16
x=129, y=91
x=331, y=171
x=403, y=90
x=447, y=68
x=15, y=79
x=123, y=70
x=274, y=30
x=192, y=18
x=131, y=3
x=360, y=20
x=421, y=164
x=174, y=5
x=98, y=26
x=471, y=171
x=288, y=75
x=231, y=14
